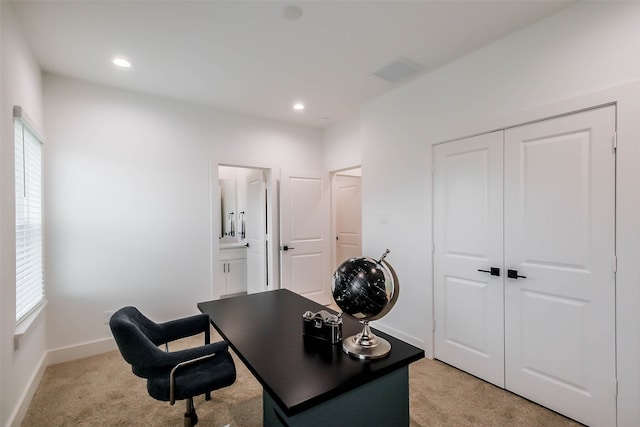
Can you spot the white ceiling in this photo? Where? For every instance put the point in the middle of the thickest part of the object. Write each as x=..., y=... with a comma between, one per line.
x=245, y=56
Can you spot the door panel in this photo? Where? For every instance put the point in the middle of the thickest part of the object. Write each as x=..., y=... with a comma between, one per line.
x=256, y=219
x=348, y=217
x=555, y=194
x=465, y=314
x=559, y=233
x=307, y=276
x=305, y=218
x=566, y=362
x=468, y=237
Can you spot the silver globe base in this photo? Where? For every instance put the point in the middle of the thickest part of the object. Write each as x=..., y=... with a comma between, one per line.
x=366, y=345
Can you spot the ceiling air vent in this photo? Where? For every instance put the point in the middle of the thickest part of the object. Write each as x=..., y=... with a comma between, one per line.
x=398, y=69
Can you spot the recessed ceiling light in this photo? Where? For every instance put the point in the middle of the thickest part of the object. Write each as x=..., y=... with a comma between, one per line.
x=121, y=62
x=298, y=106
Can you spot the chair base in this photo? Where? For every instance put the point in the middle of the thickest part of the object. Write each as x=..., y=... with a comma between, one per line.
x=190, y=416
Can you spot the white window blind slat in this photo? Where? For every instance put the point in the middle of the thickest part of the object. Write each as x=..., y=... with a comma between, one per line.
x=26, y=297
x=30, y=271
x=28, y=182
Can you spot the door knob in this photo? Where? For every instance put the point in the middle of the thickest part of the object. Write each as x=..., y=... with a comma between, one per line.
x=494, y=271
x=286, y=248
x=513, y=274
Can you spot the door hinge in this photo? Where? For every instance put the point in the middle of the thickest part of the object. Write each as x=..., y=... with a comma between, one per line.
x=615, y=264
x=615, y=140
x=616, y=387
x=433, y=327
x=433, y=248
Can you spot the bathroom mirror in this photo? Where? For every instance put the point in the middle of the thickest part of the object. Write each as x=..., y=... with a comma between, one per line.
x=227, y=207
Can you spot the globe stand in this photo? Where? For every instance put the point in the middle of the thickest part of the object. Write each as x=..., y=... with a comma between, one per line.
x=366, y=345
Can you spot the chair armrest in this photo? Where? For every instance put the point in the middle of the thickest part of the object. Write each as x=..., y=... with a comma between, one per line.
x=167, y=360
x=172, y=377
x=186, y=327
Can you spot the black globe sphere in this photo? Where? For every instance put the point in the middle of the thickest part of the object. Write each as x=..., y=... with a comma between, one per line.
x=364, y=288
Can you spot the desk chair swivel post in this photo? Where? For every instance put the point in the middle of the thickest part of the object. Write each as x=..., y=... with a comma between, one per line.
x=178, y=375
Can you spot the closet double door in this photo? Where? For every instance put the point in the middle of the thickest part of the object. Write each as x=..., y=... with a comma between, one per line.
x=524, y=261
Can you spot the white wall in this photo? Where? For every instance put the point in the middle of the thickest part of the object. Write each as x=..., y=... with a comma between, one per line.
x=567, y=61
x=342, y=145
x=129, y=200
x=21, y=85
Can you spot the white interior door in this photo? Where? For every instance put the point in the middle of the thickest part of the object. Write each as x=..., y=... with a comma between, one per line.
x=347, y=198
x=256, y=229
x=558, y=275
x=304, y=234
x=468, y=222
x=559, y=235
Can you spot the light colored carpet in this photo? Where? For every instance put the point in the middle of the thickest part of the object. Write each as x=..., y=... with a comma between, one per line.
x=102, y=391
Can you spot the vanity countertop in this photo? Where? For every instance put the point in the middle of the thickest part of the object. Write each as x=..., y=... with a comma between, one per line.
x=238, y=245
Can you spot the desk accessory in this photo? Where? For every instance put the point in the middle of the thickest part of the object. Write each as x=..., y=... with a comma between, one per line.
x=366, y=289
x=322, y=325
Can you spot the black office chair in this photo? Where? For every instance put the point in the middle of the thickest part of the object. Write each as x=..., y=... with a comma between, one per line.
x=177, y=375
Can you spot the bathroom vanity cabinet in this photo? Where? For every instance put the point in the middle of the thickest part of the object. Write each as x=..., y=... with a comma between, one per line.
x=233, y=270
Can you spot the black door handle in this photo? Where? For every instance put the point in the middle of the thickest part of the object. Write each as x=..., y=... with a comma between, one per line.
x=513, y=274
x=494, y=271
x=286, y=248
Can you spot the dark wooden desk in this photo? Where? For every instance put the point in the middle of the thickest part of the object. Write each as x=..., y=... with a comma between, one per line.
x=307, y=382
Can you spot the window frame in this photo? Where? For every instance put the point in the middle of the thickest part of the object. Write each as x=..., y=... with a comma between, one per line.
x=29, y=214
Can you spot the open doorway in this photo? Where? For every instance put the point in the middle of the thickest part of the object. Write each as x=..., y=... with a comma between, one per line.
x=243, y=231
x=346, y=214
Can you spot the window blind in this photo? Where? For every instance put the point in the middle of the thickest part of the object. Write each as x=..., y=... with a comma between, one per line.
x=29, y=265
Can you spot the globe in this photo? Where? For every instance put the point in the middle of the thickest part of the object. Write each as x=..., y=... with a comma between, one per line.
x=365, y=289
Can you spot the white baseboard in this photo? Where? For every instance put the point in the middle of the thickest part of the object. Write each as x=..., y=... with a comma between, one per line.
x=400, y=335
x=16, y=418
x=74, y=352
